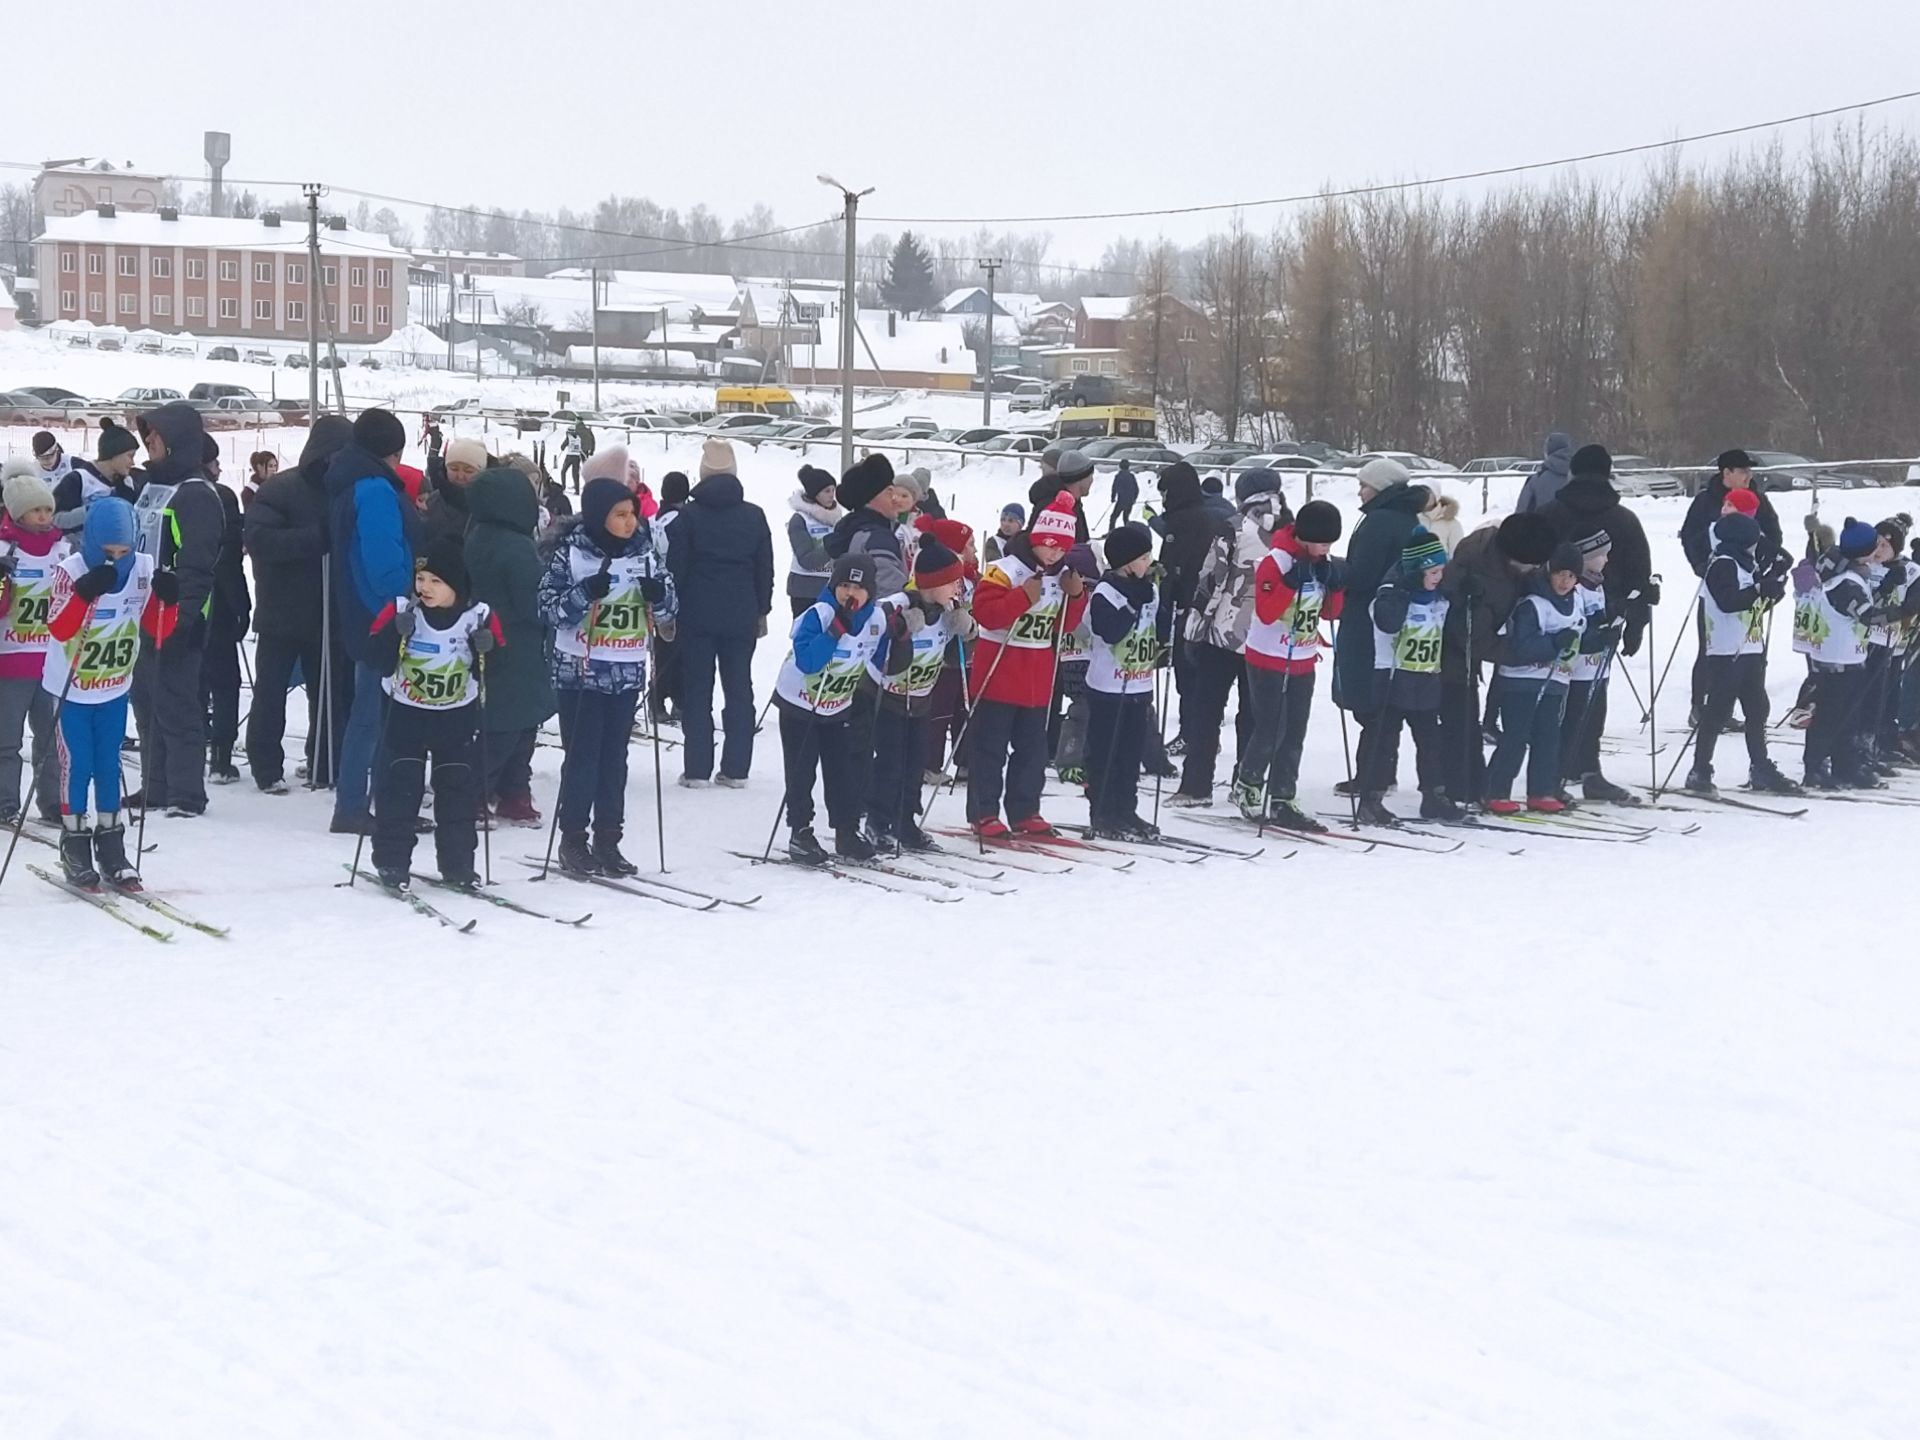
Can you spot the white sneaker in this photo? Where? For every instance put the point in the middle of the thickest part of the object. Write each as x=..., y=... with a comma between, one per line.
x=730, y=782
x=687, y=782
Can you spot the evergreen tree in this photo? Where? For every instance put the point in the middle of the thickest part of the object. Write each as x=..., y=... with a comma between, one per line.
x=909, y=286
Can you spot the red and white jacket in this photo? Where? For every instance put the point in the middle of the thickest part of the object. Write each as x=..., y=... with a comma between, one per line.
x=1288, y=606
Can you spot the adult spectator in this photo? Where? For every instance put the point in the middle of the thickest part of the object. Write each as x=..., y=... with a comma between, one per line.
x=1126, y=494
x=874, y=502
x=1073, y=473
x=504, y=568
x=722, y=565
x=184, y=527
x=1213, y=494
x=286, y=539
x=53, y=460
x=262, y=466
x=373, y=536
x=84, y=483
x=446, y=513
x=1484, y=581
x=1187, y=529
x=1548, y=476
x=228, y=618
x=1733, y=470
x=1390, y=506
x=676, y=493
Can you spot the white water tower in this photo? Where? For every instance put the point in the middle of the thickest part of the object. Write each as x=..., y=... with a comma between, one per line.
x=218, y=150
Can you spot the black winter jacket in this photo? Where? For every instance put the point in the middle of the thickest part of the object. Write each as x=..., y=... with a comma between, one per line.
x=721, y=559
x=1483, y=588
x=1591, y=503
x=1696, y=531
x=191, y=545
x=504, y=566
x=286, y=530
x=1189, y=528
x=1386, y=521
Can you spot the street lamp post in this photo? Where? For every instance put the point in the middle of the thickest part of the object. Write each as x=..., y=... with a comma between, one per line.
x=847, y=315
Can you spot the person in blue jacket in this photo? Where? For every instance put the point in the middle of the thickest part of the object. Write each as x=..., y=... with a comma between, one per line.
x=374, y=531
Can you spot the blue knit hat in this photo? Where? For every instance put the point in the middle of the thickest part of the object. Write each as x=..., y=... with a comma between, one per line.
x=1422, y=551
x=1014, y=512
x=1857, y=539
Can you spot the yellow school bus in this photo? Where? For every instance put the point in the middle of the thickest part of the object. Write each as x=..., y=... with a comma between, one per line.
x=1134, y=421
x=762, y=399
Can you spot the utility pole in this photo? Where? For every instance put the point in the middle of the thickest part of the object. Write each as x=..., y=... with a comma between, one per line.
x=452, y=311
x=313, y=194
x=852, y=199
x=595, y=274
x=992, y=267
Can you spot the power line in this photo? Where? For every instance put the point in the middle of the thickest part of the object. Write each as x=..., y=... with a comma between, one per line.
x=1358, y=190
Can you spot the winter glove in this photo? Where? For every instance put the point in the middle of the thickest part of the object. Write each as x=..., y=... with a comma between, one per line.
x=1331, y=573
x=915, y=619
x=842, y=620
x=1630, y=643
x=1890, y=582
x=7, y=563
x=405, y=622
x=1771, y=587
x=1471, y=588
x=1032, y=587
x=596, y=585
x=97, y=581
x=481, y=641
x=897, y=625
x=1071, y=583
x=653, y=589
x=166, y=587
x=1650, y=592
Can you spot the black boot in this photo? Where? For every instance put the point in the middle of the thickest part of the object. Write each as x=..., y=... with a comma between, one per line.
x=394, y=877
x=1700, y=782
x=1285, y=814
x=1434, y=805
x=850, y=844
x=606, y=855
x=220, y=767
x=576, y=855
x=1820, y=776
x=1596, y=786
x=881, y=838
x=76, y=852
x=1371, y=812
x=1766, y=777
x=914, y=840
x=804, y=848
x=110, y=853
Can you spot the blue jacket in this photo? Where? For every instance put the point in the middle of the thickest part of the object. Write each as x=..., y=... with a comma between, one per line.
x=374, y=530
x=722, y=560
x=563, y=603
x=814, y=643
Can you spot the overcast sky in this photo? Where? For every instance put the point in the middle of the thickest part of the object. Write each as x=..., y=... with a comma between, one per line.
x=982, y=109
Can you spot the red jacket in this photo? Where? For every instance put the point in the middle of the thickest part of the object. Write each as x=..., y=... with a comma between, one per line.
x=1272, y=594
x=1025, y=676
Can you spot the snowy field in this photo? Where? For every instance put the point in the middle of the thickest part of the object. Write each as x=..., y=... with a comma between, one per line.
x=1598, y=1140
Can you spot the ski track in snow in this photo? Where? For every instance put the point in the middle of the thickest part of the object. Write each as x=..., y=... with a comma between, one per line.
x=1598, y=1141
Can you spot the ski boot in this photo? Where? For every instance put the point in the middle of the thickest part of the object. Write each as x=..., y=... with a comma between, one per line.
x=1370, y=811
x=1073, y=775
x=1700, y=782
x=463, y=881
x=914, y=840
x=607, y=857
x=1546, y=805
x=991, y=828
x=1181, y=800
x=1766, y=777
x=1434, y=805
x=1132, y=827
x=881, y=838
x=110, y=853
x=1596, y=786
x=850, y=844
x=730, y=782
x=220, y=766
x=393, y=878
x=1504, y=807
x=576, y=855
x=1249, y=800
x=1346, y=788
x=1284, y=813
x=1565, y=797
x=1819, y=776
x=803, y=848
x=76, y=852
x=1035, y=827
x=1858, y=777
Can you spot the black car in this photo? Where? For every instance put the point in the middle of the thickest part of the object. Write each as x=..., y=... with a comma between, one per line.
x=52, y=394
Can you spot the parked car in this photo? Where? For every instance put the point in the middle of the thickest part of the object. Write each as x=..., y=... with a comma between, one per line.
x=690, y=417
x=1220, y=454
x=773, y=430
x=258, y=357
x=742, y=419
x=1639, y=476
x=1016, y=445
x=1407, y=458
x=150, y=346
x=465, y=405
x=209, y=390
x=1783, y=470
x=1113, y=446
x=368, y=362
x=148, y=395
x=1141, y=457
x=223, y=352
x=1085, y=390
x=978, y=435
x=1274, y=461
x=246, y=406
x=807, y=433
x=52, y=394
x=1028, y=395
x=17, y=407
x=1498, y=465
x=180, y=347
x=1327, y=456
x=921, y=422
x=648, y=422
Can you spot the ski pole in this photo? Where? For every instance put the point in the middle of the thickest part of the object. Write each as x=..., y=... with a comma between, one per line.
x=379, y=749
x=566, y=758
x=20, y=820
x=1660, y=684
x=659, y=800
x=486, y=776
x=1346, y=752
x=1653, y=699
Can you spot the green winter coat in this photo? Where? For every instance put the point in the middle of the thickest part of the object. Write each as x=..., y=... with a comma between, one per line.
x=505, y=570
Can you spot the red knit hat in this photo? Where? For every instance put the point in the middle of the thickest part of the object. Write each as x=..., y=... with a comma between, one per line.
x=1745, y=501
x=1056, y=525
x=412, y=479
x=935, y=564
x=950, y=533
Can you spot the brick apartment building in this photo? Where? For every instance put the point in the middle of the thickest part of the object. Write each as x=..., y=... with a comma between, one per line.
x=214, y=276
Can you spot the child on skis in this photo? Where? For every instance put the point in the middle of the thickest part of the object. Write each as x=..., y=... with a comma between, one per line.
x=104, y=598
x=922, y=623
x=1025, y=600
x=1542, y=638
x=832, y=644
x=1131, y=636
x=1585, y=712
x=31, y=546
x=1409, y=615
x=947, y=715
x=1740, y=591
x=1830, y=620
x=604, y=592
x=816, y=510
x=433, y=644
x=1296, y=585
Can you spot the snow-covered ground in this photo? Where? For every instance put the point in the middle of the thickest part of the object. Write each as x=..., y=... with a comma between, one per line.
x=1599, y=1140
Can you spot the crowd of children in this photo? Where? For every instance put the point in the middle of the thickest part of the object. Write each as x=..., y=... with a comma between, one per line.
x=907, y=653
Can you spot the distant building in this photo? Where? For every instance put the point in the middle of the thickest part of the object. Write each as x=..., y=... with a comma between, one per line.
x=469, y=262
x=1098, y=321
x=1063, y=362
x=8, y=314
x=66, y=188
x=211, y=275
x=910, y=354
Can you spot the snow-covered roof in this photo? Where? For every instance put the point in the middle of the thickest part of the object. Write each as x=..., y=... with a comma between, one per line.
x=499, y=255
x=693, y=290
x=211, y=232
x=614, y=356
x=697, y=334
x=920, y=347
x=1107, y=307
x=6, y=296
